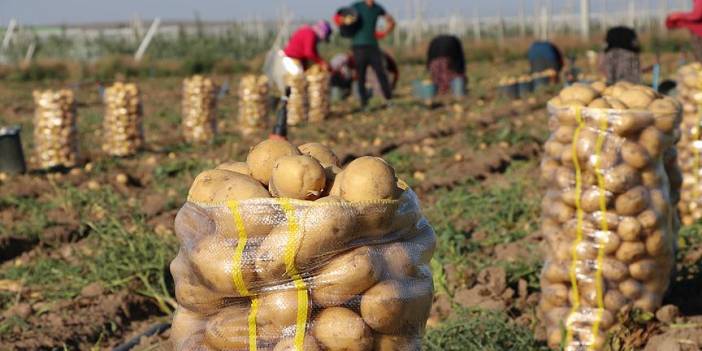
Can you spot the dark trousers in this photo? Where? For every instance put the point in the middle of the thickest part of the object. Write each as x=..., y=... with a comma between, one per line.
x=369, y=55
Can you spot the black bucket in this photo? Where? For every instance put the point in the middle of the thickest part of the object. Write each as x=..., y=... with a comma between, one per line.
x=11, y=155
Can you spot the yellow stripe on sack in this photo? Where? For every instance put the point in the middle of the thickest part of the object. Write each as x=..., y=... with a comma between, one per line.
x=252, y=324
x=579, y=226
x=237, y=275
x=604, y=226
x=291, y=270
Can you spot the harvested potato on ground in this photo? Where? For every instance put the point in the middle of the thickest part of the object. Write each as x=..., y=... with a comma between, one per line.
x=297, y=177
x=368, y=178
x=236, y=167
x=288, y=344
x=340, y=329
x=217, y=186
x=347, y=276
x=262, y=157
x=321, y=153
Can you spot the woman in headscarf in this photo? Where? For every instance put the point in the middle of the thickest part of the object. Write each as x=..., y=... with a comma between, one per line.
x=303, y=44
x=446, y=62
x=621, y=60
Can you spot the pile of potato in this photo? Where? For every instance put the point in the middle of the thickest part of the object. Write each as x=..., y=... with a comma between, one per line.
x=253, y=102
x=318, y=93
x=297, y=101
x=292, y=252
x=690, y=144
x=123, y=133
x=199, y=109
x=609, y=218
x=55, y=133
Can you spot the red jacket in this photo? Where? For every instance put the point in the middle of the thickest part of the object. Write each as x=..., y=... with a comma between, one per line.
x=690, y=20
x=303, y=46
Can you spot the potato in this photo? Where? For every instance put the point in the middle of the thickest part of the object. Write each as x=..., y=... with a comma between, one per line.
x=340, y=329
x=217, y=186
x=630, y=251
x=565, y=178
x=578, y=92
x=651, y=178
x=631, y=289
x=653, y=140
x=196, y=342
x=629, y=229
x=560, y=212
x=615, y=103
x=635, y=155
x=614, y=301
x=614, y=270
x=629, y=123
x=288, y=344
x=599, y=86
x=391, y=307
x=657, y=244
x=262, y=157
x=564, y=134
x=367, y=179
x=236, y=167
x=556, y=294
x=648, y=302
x=556, y=272
x=185, y=323
x=321, y=153
x=278, y=310
x=649, y=219
x=397, y=343
x=212, y=261
x=190, y=292
x=633, y=201
x=347, y=276
x=323, y=230
x=621, y=179
x=554, y=149
x=554, y=338
x=644, y=269
x=599, y=103
x=403, y=259
x=590, y=200
x=297, y=177
x=229, y=329
x=636, y=99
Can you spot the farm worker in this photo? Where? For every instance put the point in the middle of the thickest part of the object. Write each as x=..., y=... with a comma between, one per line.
x=693, y=22
x=366, y=50
x=344, y=73
x=302, y=45
x=621, y=60
x=543, y=56
x=446, y=62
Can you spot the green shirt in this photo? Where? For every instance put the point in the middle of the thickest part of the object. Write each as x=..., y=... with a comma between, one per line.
x=369, y=20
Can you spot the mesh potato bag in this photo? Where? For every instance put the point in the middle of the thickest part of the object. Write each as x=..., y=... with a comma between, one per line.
x=253, y=109
x=281, y=274
x=55, y=132
x=690, y=144
x=199, y=109
x=607, y=215
x=297, y=102
x=123, y=134
x=318, y=92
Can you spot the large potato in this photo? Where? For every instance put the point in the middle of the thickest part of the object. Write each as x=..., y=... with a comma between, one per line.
x=347, y=276
x=633, y=201
x=367, y=179
x=578, y=92
x=392, y=307
x=190, y=292
x=340, y=329
x=321, y=153
x=323, y=230
x=621, y=179
x=229, y=329
x=218, y=186
x=278, y=311
x=212, y=260
x=402, y=259
x=262, y=157
x=636, y=99
x=236, y=167
x=288, y=344
x=297, y=177
x=397, y=343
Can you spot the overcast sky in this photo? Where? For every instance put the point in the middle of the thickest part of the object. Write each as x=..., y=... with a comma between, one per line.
x=81, y=11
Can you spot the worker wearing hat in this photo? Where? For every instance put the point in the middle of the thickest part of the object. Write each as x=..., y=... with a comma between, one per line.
x=303, y=44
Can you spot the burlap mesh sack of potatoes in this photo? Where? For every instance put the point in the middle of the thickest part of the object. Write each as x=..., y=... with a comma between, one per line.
x=297, y=101
x=123, y=134
x=199, y=109
x=287, y=251
x=253, y=103
x=55, y=131
x=318, y=92
x=690, y=144
x=608, y=213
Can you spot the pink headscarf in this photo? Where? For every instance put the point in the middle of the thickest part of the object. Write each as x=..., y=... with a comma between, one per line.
x=323, y=29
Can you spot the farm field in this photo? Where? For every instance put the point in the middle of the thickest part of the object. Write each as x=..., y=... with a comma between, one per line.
x=84, y=255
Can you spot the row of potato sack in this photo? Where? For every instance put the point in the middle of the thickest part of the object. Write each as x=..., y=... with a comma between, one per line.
x=199, y=108
x=123, y=133
x=290, y=251
x=690, y=145
x=55, y=131
x=309, y=98
x=609, y=215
